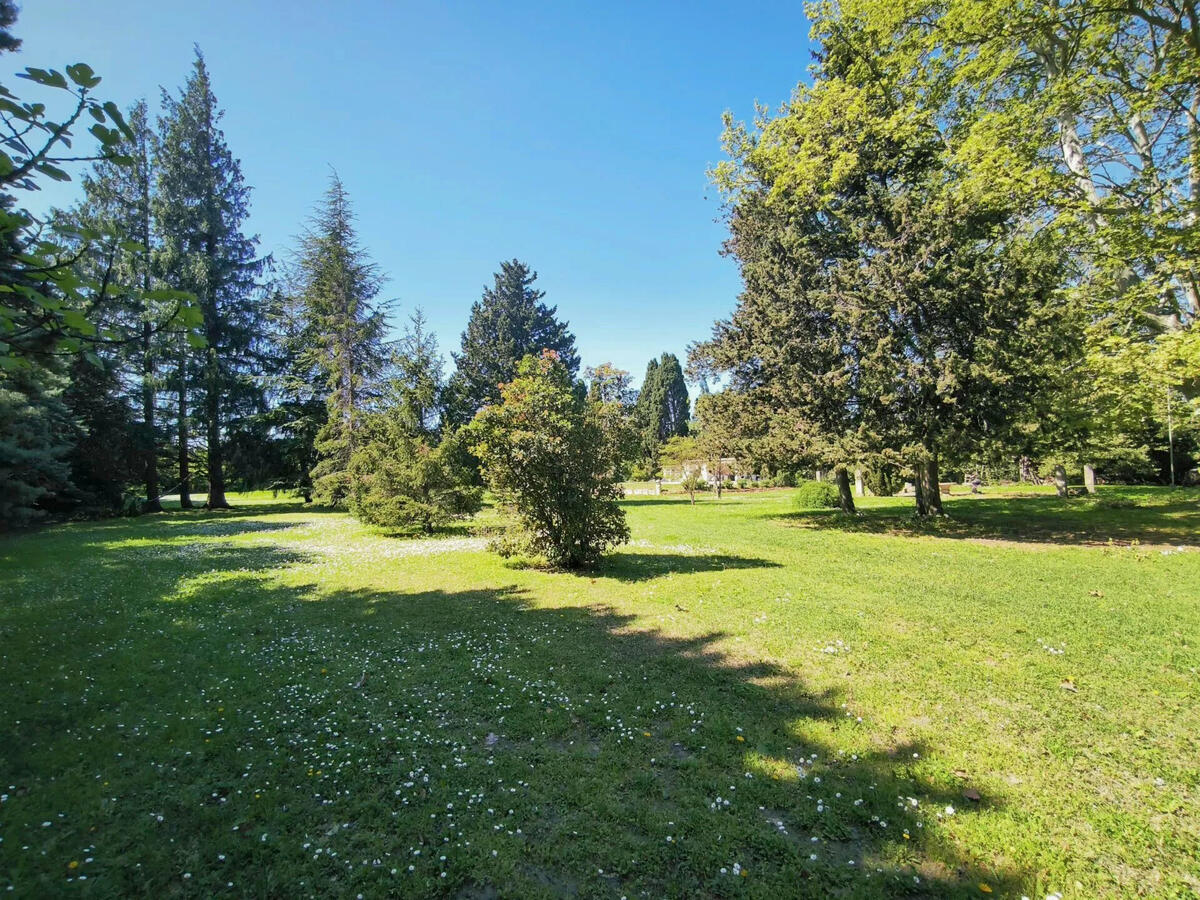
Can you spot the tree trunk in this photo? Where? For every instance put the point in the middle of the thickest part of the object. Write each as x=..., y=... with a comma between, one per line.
x=1089, y=479
x=152, y=503
x=1026, y=467
x=1060, y=480
x=845, y=497
x=185, y=498
x=859, y=490
x=216, y=463
x=929, y=494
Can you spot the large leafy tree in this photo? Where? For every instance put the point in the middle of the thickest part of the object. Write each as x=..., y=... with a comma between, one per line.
x=884, y=309
x=1089, y=111
x=201, y=205
x=548, y=453
x=336, y=290
x=507, y=324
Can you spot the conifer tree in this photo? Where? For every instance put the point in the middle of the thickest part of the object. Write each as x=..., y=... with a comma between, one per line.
x=201, y=204
x=336, y=287
x=509, y=323
x=663, y=407
x=118, y=199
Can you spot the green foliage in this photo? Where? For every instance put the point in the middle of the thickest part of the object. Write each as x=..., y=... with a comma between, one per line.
x=398, y=477
x=50, y=304
x=662, y=408
x=608, y=384
x=340, y=336
x=201, y=206
x=548, y=453
x=910, y=321
x=35, y=440
x=105, y=452
x=883, y=479
x=509, y=323
x=815, y=495
x=399, y=481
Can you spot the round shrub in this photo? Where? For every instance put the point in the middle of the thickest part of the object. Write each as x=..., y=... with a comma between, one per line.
x=815, y=495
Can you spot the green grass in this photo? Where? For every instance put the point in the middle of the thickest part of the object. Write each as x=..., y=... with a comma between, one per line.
x=274, y=701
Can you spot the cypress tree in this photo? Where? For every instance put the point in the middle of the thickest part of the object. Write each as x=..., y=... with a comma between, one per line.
x=663, y=407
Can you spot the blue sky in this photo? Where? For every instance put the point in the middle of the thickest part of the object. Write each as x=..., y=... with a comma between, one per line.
x=575, y=137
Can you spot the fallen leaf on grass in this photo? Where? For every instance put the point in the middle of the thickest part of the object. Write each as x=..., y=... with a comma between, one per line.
x=1069, y=685
x=972, y=794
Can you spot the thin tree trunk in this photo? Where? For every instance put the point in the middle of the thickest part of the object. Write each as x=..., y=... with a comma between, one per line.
x=151, y=463
x=845, y=497
x=152, y=503
x=185, y=498
x=216, y=462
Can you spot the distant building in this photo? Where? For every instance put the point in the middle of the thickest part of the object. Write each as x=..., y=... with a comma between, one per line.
x=709, y=470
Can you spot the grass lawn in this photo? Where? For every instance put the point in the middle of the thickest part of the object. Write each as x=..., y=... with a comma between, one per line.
x=746, y=701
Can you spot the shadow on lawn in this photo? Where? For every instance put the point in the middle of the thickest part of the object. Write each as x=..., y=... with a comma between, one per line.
x=1159, y=519
x=595, y=791
x=644, y=566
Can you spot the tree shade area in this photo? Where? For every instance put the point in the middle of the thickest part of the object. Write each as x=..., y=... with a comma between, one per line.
x=872, y=591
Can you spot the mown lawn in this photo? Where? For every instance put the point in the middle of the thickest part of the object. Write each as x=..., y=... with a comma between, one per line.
x=747, y=701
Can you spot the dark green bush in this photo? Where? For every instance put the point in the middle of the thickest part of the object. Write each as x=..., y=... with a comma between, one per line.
x=815, y=495
x=884, y=479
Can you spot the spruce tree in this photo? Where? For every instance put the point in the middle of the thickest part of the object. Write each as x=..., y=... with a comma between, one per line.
x=336, y=286
x=201, y=205
x=509, y=323
x=417, y=385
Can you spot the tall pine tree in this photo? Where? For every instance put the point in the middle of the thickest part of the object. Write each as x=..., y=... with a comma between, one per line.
x=201, y=204
x=336, y=287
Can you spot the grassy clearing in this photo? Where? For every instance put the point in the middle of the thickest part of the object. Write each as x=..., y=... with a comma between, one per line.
x=748, y=701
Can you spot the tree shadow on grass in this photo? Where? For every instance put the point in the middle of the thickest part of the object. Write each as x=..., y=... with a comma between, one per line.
x=629, y=567
x=236, y=509
x=542, y=751
x=1112, y=517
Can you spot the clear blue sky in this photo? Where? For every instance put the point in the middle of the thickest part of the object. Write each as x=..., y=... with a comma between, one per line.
x=573, y=136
